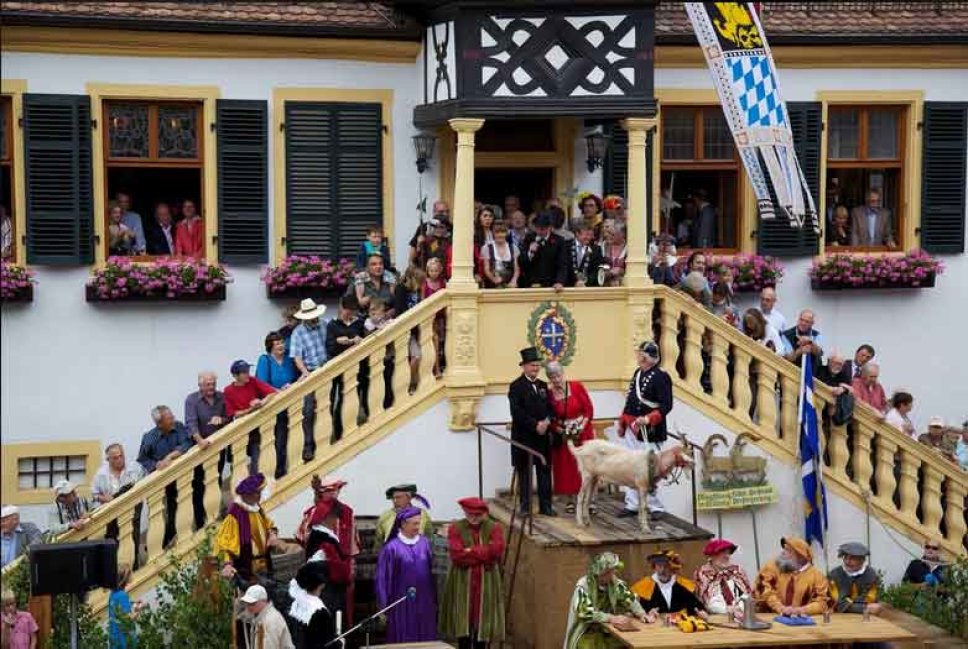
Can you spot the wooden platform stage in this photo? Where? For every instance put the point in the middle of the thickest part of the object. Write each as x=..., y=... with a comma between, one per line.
x=557, y=554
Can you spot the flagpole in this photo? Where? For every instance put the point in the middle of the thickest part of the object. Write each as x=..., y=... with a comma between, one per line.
x=818, y=468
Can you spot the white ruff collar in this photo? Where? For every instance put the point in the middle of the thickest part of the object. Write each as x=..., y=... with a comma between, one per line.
x=252, y=509
x=406, y=540
x=856, y=573
x=304, y=605
x=325, y=530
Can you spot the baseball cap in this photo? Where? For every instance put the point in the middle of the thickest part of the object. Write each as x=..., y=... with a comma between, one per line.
x=255, y=594
x=64, y=487
x=239, y=367
x=936, y=421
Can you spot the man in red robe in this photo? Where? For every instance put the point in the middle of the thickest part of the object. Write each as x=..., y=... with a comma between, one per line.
x=472, y=606
x=330, y=519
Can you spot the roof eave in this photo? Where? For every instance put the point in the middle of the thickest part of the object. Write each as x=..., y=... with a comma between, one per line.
x=820, y=40
x=408, y=32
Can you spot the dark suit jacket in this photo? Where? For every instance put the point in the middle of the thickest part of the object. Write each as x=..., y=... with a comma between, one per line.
x=860, y=232
x=589, y=265
x=528, y=407
x=549, y=265
x=155, y=239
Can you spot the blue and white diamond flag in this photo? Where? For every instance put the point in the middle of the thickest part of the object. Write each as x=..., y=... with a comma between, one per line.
x=739, y=58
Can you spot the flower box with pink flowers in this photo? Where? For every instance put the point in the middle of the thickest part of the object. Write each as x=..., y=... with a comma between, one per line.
x=164, y=280
x=751, y=273
x=299, y=277
x=916, y=269
x=16, y=283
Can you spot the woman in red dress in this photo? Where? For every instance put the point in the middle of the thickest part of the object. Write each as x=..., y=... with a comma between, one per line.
x=573, y=417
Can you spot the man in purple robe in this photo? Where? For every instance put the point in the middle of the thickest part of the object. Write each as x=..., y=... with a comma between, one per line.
x=405, y=570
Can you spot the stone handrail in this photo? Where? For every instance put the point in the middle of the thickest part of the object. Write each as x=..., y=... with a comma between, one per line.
x=910, y=487
x=358, y=434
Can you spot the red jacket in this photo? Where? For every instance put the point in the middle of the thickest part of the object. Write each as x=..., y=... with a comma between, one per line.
x=190, y=238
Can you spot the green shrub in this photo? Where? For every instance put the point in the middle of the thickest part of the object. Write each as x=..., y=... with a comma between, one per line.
x=943, y=607
x=192, y=609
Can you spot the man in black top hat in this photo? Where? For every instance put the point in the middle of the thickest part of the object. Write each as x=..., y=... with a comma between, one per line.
x=544, y=255
x=530, y=420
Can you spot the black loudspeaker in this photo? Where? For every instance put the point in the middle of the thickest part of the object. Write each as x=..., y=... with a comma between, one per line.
x=74, y=568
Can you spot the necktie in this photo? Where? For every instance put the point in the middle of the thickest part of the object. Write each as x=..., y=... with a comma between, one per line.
x=727, y=591
x=791, y=586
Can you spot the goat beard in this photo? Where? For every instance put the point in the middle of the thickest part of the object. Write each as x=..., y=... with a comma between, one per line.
x=787, y=565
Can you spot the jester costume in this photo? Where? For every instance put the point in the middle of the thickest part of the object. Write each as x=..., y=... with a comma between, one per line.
x=472, y=606
x=592, y=604
x=242, y=537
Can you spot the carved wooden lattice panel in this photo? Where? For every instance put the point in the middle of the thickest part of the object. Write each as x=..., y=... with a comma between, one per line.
x=559, y=57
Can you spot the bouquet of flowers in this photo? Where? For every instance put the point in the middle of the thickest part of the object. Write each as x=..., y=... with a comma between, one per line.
x=298, y=271
x=15, y=281
x=864, y=271
x=122, y=278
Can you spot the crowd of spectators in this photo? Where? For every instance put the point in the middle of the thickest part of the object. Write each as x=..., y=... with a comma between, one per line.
x=511, y=249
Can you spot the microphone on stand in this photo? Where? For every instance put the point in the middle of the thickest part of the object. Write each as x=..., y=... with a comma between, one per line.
x=410, y=594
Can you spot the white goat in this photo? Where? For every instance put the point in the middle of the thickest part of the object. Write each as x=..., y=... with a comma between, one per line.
x=602, y=461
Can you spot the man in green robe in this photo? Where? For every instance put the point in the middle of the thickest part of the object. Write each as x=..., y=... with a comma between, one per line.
x=402, y=496
x=472, y=606
x=601, y=598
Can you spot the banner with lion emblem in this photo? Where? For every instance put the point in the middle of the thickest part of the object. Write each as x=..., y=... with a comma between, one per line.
x=735, y=47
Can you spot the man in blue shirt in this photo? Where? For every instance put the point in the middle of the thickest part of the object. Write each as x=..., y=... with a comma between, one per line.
x=161, y=446
x=308, y=350
x=15, y=536
x=132, y=220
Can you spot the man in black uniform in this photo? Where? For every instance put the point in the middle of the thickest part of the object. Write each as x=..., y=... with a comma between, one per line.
x=544, y=256
x=665, y=591
x=585, y=257
x=648, y=402
x=530, y=420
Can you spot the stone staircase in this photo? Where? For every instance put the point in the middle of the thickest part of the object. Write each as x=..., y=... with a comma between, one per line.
x=752, y=389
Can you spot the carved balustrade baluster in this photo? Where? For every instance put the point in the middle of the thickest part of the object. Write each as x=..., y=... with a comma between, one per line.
x=789, y=424
x=694, y=364
x=668, y=341
x=954, y=517
x=910, y=495
x=742, y=394
x=884, y=471
x=837, y=449
x=718, y=374
x=861, y=456
x=931, y=509
x=766, y=400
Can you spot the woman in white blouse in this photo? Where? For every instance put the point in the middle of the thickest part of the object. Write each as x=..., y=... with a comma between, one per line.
x=897, y=416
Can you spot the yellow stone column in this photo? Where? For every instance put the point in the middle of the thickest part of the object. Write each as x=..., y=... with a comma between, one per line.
x=465, y=383
x=638, y=207
x=462, y=273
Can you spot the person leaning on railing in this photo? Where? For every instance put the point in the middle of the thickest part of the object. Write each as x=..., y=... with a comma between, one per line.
x=161, y=446
x=70, y=511
x=15, y=536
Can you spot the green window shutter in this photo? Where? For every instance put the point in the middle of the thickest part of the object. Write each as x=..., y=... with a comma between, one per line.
x=57, y=144
x=775, y=236
x=615, y=170
x=943, y=177
x=334, y=176
x=243, y=181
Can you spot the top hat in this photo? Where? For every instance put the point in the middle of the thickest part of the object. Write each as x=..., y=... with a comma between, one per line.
x=530, y=355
